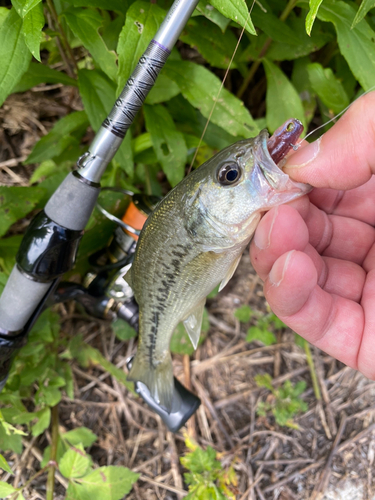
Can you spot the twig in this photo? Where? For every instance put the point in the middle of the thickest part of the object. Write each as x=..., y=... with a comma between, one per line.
x=174, y=461
x=325, y=475
x=180, y=492
x=314, y=378
x=191, y=424
x=52, y=466
x=292, y=476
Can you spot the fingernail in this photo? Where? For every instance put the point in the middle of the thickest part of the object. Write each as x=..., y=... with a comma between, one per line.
x=304, y=156
x=262, y=236
x=278, y=270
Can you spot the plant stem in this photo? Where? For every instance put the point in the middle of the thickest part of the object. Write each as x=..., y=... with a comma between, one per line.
x=314, y=378
x=254, y=67
x=52, y=466
x=56, y=20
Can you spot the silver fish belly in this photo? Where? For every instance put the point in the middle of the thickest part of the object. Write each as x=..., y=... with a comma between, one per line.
x=193, y=241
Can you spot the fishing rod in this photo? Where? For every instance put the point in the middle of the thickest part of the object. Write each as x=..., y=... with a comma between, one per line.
x=49, y=247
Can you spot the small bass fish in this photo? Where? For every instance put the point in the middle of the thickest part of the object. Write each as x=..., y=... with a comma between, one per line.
x=194, y=240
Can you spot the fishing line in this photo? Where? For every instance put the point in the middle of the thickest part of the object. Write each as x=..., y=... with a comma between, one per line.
x=298, y=145
x=220, y=89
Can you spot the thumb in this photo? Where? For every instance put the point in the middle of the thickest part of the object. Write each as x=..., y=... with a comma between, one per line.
x=344, y=157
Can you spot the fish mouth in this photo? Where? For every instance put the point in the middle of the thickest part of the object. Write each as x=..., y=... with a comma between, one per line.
x=275, y=177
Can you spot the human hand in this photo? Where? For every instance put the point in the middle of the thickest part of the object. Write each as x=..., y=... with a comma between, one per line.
x=316, y=255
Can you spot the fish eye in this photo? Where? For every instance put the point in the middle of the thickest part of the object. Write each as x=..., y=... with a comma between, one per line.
x=229, y=173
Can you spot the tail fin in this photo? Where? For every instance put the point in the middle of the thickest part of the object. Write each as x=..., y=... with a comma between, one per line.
x=158, y=379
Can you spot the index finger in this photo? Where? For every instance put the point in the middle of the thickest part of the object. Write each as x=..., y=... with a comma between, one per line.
x=344, y=157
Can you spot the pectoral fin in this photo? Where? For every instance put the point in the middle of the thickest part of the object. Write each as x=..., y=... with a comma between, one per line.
x=230, y=272
x=128, y=277
x=193, y=323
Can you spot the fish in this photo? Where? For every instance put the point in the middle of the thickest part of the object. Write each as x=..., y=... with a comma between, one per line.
x=194, y=240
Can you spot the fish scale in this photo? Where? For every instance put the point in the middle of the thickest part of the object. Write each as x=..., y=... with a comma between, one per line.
x=193, y=241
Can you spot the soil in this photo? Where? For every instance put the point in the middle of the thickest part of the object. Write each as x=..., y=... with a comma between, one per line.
x=330, y=453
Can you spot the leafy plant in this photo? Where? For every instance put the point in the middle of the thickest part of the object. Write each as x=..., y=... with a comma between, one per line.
x=285, y=402
x=261, y=330
x=207, y=479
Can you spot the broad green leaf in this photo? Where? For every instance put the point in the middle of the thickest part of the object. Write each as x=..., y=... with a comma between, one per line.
x=39, y=73
x=142, y=22
x=310, y=18
x=14, y=55
x=116, y=5
x=329, y=90
x=169, y=143
x=44, y=418
x=4, y=465
x=208, y=11
x=81, y=435
x=16, y=202
x=216, y=47
x=262, y=334
x=357, y=45
x=10, y=441
x=277, y=30
x=237, y=11
x=33, y=23
x=85, y=25
x=6, y=489
x=282, y=99
x=45, y=169
x=8, y=250
x=98, y=94
x=243, y=313
x=23, y=7
x=201, y=87
x=163, y=90
x=111, y=482
x=57, y=139
x=74, y=462
x=123, y=330
x=3, y=14
x=365, y=6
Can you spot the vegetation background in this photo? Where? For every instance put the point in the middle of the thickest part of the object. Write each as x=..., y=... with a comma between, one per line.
x=62, y=64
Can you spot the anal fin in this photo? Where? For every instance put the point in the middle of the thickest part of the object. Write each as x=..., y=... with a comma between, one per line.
x=193, y=323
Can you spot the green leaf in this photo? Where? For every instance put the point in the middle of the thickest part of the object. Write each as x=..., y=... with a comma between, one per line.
x=264, y=380
x=3, y=14
x=23, y=7
x=44, y=418
x=81, y=435
x=85, y=25
x=310, y=18
x=237, y=11
x=216, y=47
x=123, y=330
x=111, y=482
x=282, y=99
x=276, y=29
x=116, y=5
x=59, y=138
x=14, y=55
x=261, y=334
x=357, y=45
x=10, y=441
x=74, y=462
x=163, y=90
x=6, y=489
x=329, y=90
x=208, y=11
x=169, y=143
x=4, y=465
x=200, y=87
x=39, y=73
x=16, y=202
x=33, y=23
x=142, y=22
x=98, y=94
x=243, y=313
x=8, y=250
x=365, y=6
